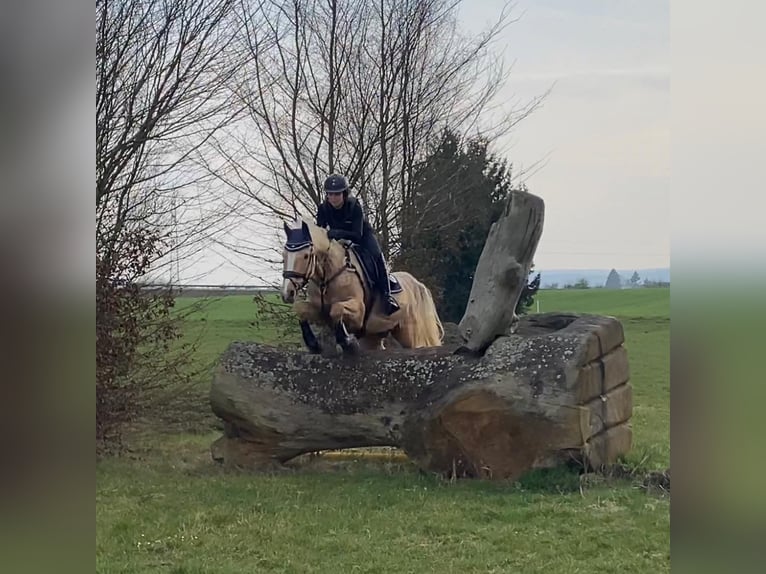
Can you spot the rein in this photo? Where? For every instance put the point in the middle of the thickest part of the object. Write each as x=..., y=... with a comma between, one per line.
x=311, y=275
x=325, y=283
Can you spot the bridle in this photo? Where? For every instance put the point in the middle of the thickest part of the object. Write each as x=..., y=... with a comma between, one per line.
x=311, y=275
x=304, y=278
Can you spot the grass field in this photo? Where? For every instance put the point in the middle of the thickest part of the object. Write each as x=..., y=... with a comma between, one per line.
x=167, y=508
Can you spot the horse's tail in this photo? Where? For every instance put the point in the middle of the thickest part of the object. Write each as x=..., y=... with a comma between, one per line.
x=429, y=331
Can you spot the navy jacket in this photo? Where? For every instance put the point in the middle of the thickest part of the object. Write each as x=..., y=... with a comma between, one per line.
x=348, y=222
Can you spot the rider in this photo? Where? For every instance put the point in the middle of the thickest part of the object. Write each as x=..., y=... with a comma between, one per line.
x=344, y=216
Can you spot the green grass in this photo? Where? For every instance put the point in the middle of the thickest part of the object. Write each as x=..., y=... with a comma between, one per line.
x=166, y=520
x=628, y=303
x=213, y=324
x=210, y=325
x=169, y=508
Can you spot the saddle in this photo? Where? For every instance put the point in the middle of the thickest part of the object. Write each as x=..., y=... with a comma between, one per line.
x=370, y=270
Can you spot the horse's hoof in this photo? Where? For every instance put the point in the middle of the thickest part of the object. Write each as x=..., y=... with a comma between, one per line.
x=350, y=346
x=312, y=345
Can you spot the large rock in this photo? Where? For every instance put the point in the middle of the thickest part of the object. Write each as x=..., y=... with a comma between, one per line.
x=556, y=390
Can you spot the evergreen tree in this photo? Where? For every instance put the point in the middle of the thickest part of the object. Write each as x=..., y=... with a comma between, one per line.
x=460, y=191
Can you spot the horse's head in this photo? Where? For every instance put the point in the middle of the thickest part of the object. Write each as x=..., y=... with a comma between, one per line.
x=298, y=259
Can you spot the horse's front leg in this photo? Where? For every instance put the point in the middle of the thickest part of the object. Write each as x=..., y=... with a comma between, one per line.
x=347, y=315
x=346, y=340
x=307, y=313
x=309, y=338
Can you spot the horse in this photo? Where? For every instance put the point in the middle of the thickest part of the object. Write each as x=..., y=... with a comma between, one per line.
x=340, y=296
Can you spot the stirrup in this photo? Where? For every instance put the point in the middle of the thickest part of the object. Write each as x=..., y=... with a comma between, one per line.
x=391, y=305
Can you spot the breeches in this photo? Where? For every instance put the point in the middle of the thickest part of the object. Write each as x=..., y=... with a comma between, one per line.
x=370, y=245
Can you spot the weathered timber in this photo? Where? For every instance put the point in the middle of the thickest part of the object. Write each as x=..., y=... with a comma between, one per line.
x=502, y=271
x=555, y=390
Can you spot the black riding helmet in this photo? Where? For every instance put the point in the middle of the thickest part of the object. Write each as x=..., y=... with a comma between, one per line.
x=336, y=183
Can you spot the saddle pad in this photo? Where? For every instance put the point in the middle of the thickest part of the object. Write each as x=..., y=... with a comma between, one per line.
x=369, y=268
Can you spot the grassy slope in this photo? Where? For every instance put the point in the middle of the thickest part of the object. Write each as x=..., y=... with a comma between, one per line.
x=168, y=509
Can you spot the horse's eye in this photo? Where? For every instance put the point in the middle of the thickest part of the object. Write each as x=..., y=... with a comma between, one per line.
x=305, y=255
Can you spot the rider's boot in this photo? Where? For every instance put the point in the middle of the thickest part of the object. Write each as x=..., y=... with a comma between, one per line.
x=390, y=305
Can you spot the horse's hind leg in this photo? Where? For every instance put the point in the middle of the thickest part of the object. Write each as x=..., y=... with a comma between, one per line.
x=407, y=335
x=372, y=342
x=404, y=335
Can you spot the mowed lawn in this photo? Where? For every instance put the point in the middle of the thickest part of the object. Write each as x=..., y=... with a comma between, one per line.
x=168, y=508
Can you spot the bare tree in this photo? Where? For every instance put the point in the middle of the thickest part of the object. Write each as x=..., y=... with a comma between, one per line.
x=363, y=87
x=164, y=70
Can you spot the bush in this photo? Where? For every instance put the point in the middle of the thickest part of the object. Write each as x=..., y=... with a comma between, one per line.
x=135, y=336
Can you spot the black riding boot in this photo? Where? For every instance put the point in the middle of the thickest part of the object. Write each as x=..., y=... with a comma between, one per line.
x=390, y=306
x=389, y=303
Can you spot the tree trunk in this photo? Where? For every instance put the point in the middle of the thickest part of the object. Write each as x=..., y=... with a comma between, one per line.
x=555, y=390
x=502, y=271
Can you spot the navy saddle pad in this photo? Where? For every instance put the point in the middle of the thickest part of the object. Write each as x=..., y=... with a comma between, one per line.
x=370, y=270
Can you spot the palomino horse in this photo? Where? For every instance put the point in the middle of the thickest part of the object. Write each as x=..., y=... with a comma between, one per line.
x=338, y=295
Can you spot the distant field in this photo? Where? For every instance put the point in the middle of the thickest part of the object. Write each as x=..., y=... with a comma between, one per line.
x=169, y=508
x=624, y=303
x=619, y=303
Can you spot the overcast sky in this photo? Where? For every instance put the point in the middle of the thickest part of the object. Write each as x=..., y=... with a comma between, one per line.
x=603, y=130
x=604, y=127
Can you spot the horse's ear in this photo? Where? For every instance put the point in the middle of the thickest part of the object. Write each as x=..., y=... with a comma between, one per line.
x=306, y=229
x=287, y=228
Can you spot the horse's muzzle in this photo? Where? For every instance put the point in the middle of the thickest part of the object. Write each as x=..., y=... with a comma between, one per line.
x=290, y=287
x=288, y=294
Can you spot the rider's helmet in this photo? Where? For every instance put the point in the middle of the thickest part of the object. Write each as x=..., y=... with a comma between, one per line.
x=336, y=183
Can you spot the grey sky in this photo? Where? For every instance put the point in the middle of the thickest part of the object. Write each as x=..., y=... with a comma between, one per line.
x=604, y=130
x=604, y=127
